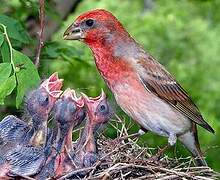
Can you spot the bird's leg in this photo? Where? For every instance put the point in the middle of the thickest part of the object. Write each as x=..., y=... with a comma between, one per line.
x=172, y=139
x=142, y=131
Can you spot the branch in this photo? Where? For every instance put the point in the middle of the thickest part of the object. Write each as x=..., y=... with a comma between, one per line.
x=40, y=41
x=10, y=47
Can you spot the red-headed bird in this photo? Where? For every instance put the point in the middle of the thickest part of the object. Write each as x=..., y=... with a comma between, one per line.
x=142, y=87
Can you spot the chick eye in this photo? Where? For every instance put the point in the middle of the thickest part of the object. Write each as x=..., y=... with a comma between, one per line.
x=47, y=99
x=43, y=100
x=90, y=22
x=103, y=108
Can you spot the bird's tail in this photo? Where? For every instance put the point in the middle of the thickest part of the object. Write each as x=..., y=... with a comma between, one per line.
x=190, y=140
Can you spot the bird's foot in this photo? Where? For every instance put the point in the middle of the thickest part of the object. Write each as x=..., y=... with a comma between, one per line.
x=172, y=139
x=142, y=132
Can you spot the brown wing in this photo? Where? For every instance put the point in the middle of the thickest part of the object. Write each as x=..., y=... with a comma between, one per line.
x=159, y=81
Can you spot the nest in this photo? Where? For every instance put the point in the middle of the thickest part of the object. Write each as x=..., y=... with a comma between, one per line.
x=122, y=158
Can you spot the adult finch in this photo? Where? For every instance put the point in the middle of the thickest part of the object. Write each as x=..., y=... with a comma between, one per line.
x=142, y=87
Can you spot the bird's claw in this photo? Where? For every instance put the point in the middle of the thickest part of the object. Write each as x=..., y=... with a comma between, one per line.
x=172, y=139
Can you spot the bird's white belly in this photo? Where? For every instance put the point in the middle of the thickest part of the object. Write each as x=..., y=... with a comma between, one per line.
x=150, y=111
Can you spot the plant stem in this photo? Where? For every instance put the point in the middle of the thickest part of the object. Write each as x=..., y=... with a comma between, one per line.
x=40, y=41
x=10, y=46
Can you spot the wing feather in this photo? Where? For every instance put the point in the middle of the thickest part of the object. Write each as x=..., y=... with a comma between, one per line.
x=26, y=160
x=160, y=82
x=12, y=129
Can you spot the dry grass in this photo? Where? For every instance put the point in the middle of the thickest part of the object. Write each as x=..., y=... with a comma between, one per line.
x=122, y=159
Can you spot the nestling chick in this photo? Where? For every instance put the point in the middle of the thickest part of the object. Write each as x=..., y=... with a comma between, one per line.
x=38, y=104
x=26, y=147
x=69, y=113
x=98, y=112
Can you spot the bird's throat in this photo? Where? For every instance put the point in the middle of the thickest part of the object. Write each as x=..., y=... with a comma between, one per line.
x=39, y=136
x=110, y=67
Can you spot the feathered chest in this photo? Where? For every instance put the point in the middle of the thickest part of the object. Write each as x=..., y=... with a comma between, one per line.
x=112, y=69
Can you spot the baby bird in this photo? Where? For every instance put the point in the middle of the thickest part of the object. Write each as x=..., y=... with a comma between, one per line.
x=98, y=112
x=69, y=113
x=39, y=104
x=26, y=147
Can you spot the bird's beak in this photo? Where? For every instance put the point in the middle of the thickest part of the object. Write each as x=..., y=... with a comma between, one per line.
x=53, y=85
x=73, y=32
x=85, y=97
x=67, y=94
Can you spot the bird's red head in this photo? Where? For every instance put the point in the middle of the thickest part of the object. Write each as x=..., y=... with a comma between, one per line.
x=95, y=27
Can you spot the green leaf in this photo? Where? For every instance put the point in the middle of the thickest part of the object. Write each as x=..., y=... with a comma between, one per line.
x=5, y=52
x=5, y=71
x=1, y=39
x=14, y=29
x=51, y=51
x=27, y=76
x=6, y=88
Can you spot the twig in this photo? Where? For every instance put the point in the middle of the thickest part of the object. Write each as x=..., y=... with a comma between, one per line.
x=70, y=157
x=122, y=138
x=169, y=177
x=40, y=40
x=113, y=151
x=93, y=170
x=120, y=166
x=75, y=172
x=78, y=129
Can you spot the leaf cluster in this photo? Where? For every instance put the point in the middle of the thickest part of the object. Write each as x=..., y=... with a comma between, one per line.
x=17, y=72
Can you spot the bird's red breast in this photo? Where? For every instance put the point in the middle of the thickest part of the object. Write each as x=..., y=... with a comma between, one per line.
x=113, y=70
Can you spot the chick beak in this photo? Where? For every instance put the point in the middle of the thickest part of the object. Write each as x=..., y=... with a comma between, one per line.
x=73, y=32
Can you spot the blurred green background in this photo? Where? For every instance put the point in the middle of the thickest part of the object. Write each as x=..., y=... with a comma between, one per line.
x=184, y=35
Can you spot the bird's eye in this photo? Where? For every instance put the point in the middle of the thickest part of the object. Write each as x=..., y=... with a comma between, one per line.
x=90, y=22
x=47, y=99
x=44, y=100
x=103, y=108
